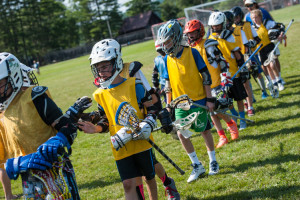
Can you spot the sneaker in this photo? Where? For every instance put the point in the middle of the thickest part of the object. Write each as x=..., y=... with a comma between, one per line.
x=198, y=170
x=264, y=95
x=280, y=86
x=213, y=168
x=250, y=112
x=222, y=141
x=171, y=191
x=234, y=132
x=243, y=125
x=275, y=94
x=282, y=81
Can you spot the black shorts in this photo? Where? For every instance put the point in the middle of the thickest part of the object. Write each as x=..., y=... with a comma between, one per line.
x=140, y=164
x=264, y=52
x=237, y=91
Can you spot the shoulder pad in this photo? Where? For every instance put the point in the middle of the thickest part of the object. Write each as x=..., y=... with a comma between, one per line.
x=210, y=42
x=38, y=91
x=225, y=34
x=134, y=67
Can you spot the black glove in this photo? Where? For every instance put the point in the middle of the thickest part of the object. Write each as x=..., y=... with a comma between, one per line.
x=77, y=109
x=165, y=120
x=223, y=103
x=244, y=74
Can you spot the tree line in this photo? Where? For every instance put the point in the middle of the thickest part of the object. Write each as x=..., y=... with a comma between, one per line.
x=32, y=28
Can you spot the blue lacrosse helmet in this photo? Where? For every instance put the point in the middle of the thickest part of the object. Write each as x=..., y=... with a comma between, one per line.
x=170, y=36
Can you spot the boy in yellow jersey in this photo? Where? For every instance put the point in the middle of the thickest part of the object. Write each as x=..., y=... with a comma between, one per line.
x=133, y=70
x=253, y=39
x=241, y=39
x=231, y=52
x=218, y=68
x=134, y=160
x=268, y=46
x=31, y=121
x=186, y=73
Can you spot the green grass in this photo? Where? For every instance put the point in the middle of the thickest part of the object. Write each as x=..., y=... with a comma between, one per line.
x=262, y=164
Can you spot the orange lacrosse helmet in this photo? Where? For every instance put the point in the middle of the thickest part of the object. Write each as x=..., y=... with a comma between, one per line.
x=194, y=25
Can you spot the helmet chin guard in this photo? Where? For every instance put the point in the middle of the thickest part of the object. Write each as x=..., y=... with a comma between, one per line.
x=106, y=50
x=10, y=69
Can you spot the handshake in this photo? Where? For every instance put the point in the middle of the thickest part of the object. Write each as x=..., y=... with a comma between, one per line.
x=48, y=152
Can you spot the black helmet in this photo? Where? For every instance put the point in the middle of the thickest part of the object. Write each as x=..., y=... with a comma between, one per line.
x=237, y=11
x=229, y=19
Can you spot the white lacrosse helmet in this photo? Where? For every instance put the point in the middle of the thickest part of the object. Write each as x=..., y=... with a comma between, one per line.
x=250, y=2
x=106, y=50
x=10, y=69
x=29, y=79
x=217, y=18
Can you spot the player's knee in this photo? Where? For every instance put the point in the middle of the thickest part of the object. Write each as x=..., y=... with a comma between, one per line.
x=128, y=184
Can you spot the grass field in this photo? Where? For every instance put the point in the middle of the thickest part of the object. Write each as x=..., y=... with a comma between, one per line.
x=263, y=164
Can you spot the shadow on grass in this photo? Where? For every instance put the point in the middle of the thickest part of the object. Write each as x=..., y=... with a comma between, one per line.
x=271, y=192
x=98, y=183
x=271, y=134
x=280, y=105
x=277, y=160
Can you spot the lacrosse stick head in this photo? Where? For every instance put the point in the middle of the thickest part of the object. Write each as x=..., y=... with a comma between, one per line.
x=185, y=123
x=126, y=116
x=271, y=58
x=54, y=180
x=182, y=102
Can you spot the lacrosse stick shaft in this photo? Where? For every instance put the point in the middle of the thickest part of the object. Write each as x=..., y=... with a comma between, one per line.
x=223, y=112
x=166, y=156
x=250, y=57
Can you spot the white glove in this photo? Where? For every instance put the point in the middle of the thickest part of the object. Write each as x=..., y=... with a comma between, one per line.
x=123, y=136
x=146, y=127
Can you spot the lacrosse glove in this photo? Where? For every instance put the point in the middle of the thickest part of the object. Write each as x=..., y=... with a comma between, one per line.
x=251, y=43
x=15, y=166
x=146, y=127
x=165, y=120
x=123, y=136
x=244, y=74
x=77, y=109
x=223, y=103
x=54, y=145
x=226, y=81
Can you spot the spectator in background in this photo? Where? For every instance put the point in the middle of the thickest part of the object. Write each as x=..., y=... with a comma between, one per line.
x=36, y=65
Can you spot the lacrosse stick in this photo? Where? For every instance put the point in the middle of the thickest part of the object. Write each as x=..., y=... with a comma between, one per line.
x=54, y=181
x=250, y=57
x=126, y=116
x=184, y=124
x=184, y=102
x=272, y=56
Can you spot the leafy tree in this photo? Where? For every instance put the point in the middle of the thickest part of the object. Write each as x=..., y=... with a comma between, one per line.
x=136, y=7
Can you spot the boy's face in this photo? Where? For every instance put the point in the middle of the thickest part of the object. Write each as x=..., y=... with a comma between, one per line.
x=250, y=7
x=237, y=19
x=256, y=19
x=104, y=69
x=193, y=36
x=169, y=43
x=217, y=28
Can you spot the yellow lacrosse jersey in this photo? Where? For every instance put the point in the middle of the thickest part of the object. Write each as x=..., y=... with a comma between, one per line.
x=110, y=99
x=237, y=34
x=226, y=49
x=22, y=130
x=262, y=33
x=185, y=77
x=125, y=72
x=214, y=72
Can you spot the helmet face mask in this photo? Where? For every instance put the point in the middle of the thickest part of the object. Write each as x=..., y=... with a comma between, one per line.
x=229, y=19
x=105, y=52
x=238, y=15
x=170, y=36
x=11, y=79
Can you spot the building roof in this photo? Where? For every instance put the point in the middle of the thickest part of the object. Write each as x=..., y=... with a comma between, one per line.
x=138, y=22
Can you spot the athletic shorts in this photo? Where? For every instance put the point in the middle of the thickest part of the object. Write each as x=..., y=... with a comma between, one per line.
x=154, y=157
x=136, y=165
x=202, y=123
x=237, y=90
x=264, y=52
